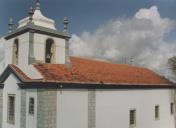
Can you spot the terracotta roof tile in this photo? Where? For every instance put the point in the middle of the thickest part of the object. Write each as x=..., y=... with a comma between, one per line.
x=20, y=72
x=92, y=71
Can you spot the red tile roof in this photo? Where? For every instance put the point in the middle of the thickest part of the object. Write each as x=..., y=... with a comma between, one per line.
x=20, y=72
x=93, y=71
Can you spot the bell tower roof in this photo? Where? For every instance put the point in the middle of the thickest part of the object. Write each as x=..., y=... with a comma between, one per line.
x=38, y=19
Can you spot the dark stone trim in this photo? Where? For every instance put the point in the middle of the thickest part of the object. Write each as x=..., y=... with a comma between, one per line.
x=54, y=85
x=91, y=108
x=31, y=58
x=1, y=86
x=38, y=85
x=37, y=29
x=23, y=109
x=6, y=74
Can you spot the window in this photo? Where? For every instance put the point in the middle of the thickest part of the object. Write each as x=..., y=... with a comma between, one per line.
x=31, y=106
x=132, y=118
x=11, y=109
x=15, y=52
x=49, y=51
x=172, y=108
x=157, y=112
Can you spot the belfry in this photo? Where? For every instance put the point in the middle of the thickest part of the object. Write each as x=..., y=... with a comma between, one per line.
x=36, y=39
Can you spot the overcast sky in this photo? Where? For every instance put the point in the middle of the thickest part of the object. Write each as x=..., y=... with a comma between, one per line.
x=114, y=30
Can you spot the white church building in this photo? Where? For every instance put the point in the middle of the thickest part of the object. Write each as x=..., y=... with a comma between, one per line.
x=41, y=86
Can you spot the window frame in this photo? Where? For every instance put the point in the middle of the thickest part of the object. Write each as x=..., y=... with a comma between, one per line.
x=132, y=118
x=171, y=108
x=50, y=50
x=31, y=106
x=157, y=112
x=11, y=113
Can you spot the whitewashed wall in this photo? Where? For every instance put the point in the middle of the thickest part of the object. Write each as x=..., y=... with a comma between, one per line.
x=72, y=109
x=39, y=48
x=23, y=50
x=2, y=60
x=112, y=108
x=10, y=87
x=31, y=120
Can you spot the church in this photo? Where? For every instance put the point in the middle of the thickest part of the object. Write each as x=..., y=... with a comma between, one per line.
x=42, y=86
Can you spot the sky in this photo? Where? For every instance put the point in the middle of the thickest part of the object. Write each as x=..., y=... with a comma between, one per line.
x=137, y=32
x=84, y=15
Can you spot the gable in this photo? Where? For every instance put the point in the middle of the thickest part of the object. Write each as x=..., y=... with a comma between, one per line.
x=12, y=70
x=11, y=83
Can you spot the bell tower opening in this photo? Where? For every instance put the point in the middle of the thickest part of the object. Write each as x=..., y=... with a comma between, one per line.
x=15, y=52
x=49, y=51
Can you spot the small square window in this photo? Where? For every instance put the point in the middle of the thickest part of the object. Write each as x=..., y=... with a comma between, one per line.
x=157, y=112
x=31, y=106
x=132, y=118
x=172, y=108
x=11, y=109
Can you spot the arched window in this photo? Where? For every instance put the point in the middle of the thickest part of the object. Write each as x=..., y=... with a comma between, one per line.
x=49, y=51
x=15, y=52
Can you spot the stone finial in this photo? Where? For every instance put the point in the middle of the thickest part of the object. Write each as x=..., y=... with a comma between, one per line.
x=10, y=25
x=131, y=60
x=37, y=5
x=66, y=24
x=30, y=13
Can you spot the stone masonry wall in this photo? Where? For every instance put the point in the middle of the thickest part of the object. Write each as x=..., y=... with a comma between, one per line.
x=1, y=101
x=91, y=108
x=46, y=108
x=23, y=109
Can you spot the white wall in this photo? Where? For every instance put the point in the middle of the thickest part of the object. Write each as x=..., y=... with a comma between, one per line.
x=10, y=87
x=39, y=48
x=23, y=50
x=31, y=120
x=112, y=108
x=72, y=109
x=2, y=59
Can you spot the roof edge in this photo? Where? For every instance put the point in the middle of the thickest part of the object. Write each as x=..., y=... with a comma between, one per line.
x=61, y=85
x=9, y=69
x=37, y=29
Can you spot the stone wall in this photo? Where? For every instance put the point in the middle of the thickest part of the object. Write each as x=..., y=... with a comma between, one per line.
x=1, y=102
x=91, y=108
x=47, y=108
x=23, y=109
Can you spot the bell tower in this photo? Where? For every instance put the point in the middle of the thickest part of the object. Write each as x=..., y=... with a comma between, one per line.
x=36, y=40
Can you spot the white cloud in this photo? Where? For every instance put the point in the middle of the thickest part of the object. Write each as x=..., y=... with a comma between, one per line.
x=140, y=37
